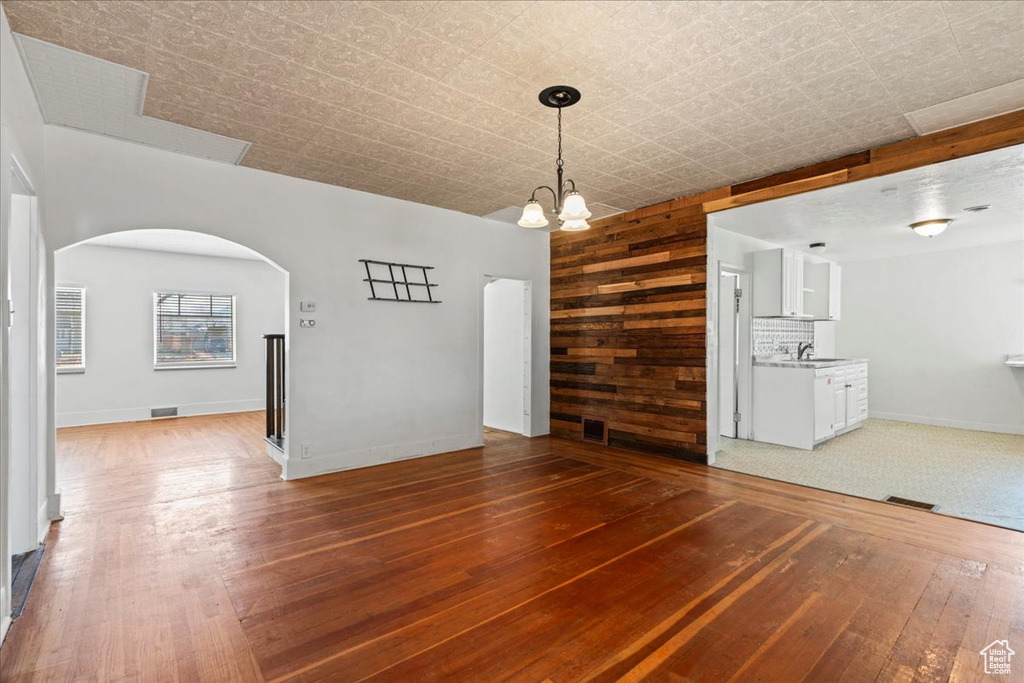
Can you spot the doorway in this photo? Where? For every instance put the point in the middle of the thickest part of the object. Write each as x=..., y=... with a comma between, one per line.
x=506, y=355
x=734, y=351
x=156, y=325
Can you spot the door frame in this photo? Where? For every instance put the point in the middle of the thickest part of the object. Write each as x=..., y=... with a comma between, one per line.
x=744, y=347
x=485, y=280
x=26, y=523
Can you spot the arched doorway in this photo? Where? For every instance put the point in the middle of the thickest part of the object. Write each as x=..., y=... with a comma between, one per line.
x=154, y=325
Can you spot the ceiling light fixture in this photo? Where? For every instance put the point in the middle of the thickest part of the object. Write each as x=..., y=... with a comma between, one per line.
x=569, y=208
x=931, y=228
x=816, y=247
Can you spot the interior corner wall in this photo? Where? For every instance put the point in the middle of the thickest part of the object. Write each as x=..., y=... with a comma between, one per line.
x=119, y=383
x=504, y=356
x=629, y=331
x=936, y=328
x=374, y=381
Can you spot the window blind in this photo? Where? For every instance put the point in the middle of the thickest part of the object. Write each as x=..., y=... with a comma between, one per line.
x=70, y=328
x=193, y=330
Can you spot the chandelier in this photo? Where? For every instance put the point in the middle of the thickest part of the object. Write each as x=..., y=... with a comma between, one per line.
x=569, y=207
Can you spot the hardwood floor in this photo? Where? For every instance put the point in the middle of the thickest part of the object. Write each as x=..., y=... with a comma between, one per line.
x=183, y=557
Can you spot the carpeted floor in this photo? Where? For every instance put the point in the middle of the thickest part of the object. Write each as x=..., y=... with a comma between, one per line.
x=975, y=475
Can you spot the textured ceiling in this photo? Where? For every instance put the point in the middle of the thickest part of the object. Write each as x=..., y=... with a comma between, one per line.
x=436, y=102
x=871, y=218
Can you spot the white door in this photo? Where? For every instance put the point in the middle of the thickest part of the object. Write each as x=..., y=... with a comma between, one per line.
x=726, y=355
x=788, y=284
x=23, y=472
x=798, y=284
x=834, y=284
x=852, y=406
x=839, y=420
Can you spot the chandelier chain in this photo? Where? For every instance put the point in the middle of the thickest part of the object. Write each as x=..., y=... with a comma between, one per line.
x=559, y=162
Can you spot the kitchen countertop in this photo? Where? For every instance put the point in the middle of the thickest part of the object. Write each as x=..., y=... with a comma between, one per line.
x=814, y=363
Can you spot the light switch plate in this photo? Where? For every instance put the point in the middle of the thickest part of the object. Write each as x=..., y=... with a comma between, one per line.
x=307, y=306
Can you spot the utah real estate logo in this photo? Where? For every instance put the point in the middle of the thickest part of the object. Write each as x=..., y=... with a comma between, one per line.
x=997, y=657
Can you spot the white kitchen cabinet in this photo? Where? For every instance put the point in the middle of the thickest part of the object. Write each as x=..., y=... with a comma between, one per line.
x=851, y=396
x=803, y=405
x=778, y=284
x=822, y=297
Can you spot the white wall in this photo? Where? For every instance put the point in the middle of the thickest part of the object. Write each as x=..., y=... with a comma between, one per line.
x=504, y=356
x=937, y=328
x=734, y=248
x=119, y=383
x=373, y=381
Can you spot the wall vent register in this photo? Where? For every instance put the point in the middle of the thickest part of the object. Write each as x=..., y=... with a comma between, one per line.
x=595, y=430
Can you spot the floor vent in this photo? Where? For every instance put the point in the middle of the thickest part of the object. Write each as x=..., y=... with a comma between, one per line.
x=163, y=412
x=595, y=430
x=906, y=502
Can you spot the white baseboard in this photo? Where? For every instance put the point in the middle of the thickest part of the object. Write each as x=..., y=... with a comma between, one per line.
x=956, y=424
x=99, y=417
x=53, y=506
x=297, y=468
x=276, y=454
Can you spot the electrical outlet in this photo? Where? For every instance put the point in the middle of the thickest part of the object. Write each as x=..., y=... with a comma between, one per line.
x=304, y=322
x=307, y=451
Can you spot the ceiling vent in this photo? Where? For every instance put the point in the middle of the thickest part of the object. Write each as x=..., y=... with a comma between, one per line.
x=975, y=107
x=91, y=94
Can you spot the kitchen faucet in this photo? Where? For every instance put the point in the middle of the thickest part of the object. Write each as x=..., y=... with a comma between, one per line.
x=803, y=348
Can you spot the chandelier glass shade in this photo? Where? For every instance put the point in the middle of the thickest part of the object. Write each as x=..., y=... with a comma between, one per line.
x=533, y=215
x=569, y=207
x=930, y=228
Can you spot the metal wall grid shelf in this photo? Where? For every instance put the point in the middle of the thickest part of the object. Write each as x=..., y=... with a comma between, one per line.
x=393, y=285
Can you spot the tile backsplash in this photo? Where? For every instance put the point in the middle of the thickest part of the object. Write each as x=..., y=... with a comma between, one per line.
x=779, y=336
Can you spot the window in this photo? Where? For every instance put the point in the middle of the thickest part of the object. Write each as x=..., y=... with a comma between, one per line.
x=193, y=330
x=70, y=329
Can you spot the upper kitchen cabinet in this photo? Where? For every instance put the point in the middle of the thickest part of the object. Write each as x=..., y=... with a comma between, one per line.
x=821, y=298
x=778, y=284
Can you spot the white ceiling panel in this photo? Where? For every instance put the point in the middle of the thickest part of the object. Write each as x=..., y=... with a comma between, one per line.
x=871, y=218
x=91, y=94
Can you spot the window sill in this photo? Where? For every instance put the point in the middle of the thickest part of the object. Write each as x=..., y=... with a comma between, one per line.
x=195, y=366
x=71, y=371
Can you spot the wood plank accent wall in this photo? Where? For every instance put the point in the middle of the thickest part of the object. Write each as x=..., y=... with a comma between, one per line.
x=628, y=297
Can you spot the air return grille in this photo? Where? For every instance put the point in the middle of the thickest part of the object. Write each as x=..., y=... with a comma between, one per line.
x=163, y=412
x=595, y=429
